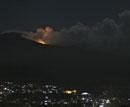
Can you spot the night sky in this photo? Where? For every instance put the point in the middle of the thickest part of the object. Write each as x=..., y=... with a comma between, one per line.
x=22, y=55
x=29, y=14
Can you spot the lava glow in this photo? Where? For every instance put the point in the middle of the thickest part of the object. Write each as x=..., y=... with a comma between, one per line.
x=40, y=41
x=45, y=31
x=44, y=34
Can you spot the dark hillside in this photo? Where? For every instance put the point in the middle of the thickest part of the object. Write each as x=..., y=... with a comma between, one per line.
x=21, y=58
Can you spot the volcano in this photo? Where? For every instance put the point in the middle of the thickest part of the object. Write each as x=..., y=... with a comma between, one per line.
x=24, y=59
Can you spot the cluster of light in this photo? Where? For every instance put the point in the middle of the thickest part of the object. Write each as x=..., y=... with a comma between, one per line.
x=48, y=95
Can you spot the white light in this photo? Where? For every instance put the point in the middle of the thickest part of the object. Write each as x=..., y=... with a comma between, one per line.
x=101, y=105
x=45, y=101
x=45, y=104
x=50, y=92
x=83, y=98
x=65, y=102
x=46, y=97
x=107, y=101
x=1, y=93
x=85, y=93
x=44, y=92
x=5, y=88
x=46, y=86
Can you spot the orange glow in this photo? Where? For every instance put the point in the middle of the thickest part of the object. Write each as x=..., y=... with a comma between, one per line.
x=40, y=41
x=45, y=31
x=44, y=34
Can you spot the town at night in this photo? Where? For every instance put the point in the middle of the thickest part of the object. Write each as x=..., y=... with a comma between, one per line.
x=41, y=94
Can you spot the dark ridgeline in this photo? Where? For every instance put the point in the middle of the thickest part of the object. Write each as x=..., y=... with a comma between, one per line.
x=23, y=59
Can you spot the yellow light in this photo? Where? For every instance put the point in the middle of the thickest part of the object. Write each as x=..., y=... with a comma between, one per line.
x=70, y=91
x=74, y=91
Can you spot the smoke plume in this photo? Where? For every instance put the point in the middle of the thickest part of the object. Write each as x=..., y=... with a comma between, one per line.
x=108, y=33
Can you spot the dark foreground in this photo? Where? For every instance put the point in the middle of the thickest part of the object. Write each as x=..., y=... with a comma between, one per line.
x=104, y=74
x=41, y=94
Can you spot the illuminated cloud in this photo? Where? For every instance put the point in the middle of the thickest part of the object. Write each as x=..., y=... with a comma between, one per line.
x=106, y=34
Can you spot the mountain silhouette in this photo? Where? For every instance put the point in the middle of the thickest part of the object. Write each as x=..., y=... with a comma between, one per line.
x=24, y=59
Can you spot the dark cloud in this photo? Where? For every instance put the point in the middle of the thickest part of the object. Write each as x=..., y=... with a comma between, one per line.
x=75, y=35
x=124, y=29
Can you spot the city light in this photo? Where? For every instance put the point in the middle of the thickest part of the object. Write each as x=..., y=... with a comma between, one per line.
x=39, y=94
x=70, y=91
